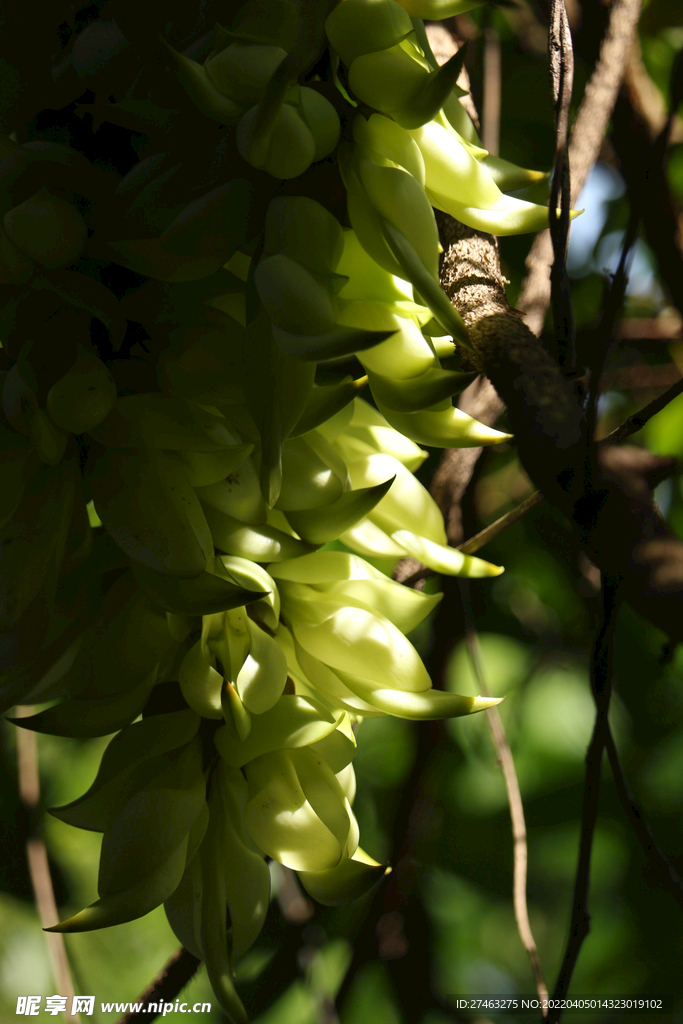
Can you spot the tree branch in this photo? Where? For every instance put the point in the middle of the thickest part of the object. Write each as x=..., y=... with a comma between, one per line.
x=561, y=79
x=587, y=135
x=170, y=981
x=601, y=681
x=630, y=426
x=619, y=528
x=638, y=420
x=480, y=400
x=493, y=529
x=651, y=469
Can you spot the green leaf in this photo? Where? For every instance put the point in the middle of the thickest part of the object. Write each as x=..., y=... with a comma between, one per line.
x=203, y=595
x=434, y=93
x=416, y=393
x=88, y=718
x=292, y=722
x=343, y=341
x=214, y=225
x=317, y=526
x=88, y=294
x=325, y=402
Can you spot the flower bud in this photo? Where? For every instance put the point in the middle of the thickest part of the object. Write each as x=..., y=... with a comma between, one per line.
x=322, y=121
x=287, y=148
x=206, y=97
x=451, y=170
x=47, y=229
x=357, y=27
x=382, y=139
x=297, y=812
x=390, y=79
x=308, y=481
x=293, y=721
x=242, y=70
x=293, y=298
x=352, y=878
x=84, y=396
x=304, y=231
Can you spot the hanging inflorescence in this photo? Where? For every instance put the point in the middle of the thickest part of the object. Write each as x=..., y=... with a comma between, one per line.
x=187, y=522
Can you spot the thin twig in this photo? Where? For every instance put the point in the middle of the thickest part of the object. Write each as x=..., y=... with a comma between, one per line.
x=638, y=420
x=587, y=135
x=561, y=79
x=493, y=529
x=601, y=683
x=38, y=864
x=630, y=426
x=170, y=981
x=507, y=763
x=668, y=876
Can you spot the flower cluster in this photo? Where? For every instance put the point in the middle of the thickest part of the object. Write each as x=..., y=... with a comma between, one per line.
x=191, y=526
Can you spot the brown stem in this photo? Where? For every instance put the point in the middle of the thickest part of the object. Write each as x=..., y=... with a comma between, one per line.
x=601, y=671
x=413, y=572
x=171, y=980
x=507, y=763
x=618, y=527
x=561, y=56
x=638, y=420
x=38, y=864
x=630, y=426
x=493, y=529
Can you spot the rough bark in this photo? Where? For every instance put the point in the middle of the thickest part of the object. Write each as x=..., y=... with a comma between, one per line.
x=619, y=528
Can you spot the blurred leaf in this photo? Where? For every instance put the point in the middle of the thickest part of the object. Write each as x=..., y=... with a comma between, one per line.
x=505, y=664
x=370, y=999
x=386, y=752
x=329, y=967
x=297, y=1004
x=664, y=432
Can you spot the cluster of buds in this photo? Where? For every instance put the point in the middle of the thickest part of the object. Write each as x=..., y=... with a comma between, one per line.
x=191, y=526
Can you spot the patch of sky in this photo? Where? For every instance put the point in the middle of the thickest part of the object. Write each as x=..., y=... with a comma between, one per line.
x=612, y=403
x=589, y=252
